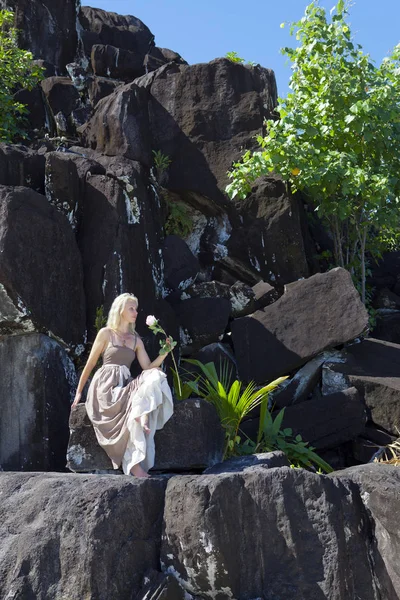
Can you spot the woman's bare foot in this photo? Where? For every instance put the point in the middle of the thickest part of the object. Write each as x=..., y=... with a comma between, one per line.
x=137, y=471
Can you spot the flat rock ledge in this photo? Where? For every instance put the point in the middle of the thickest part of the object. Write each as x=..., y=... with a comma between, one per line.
x=249, y=532
x=191, y=440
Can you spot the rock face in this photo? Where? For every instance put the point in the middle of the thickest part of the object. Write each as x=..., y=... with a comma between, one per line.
x=313, y=315
x=47, y=28
x=380, y=491
x=201, y=149
x=59, y=528
x=271, y=232
x=41, y=282
x=108, y=28
x=292, y=545
x=36, y=386
x=20, y=166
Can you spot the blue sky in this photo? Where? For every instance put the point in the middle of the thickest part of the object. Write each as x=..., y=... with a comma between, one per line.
x=206, y=29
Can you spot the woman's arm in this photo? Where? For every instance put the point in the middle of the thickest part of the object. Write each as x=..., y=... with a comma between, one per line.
x=144, y=359
x=99, y=344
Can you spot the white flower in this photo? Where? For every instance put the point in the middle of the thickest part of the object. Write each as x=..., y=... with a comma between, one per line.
x=151, y=321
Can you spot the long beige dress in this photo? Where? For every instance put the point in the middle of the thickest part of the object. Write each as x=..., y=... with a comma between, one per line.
x=115, y=400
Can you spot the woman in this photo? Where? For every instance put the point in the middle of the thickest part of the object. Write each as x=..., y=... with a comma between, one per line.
x=125, y=412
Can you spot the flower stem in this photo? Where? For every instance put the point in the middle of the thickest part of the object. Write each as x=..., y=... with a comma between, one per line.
x=175, y=365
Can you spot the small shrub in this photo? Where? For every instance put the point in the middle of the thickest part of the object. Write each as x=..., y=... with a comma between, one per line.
x=231, y=401
x=161, y=163
x=178, y=220
x=233, y=57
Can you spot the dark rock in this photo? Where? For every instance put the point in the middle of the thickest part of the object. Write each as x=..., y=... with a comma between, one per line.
x=329, y=421
x=314, y=314
x=120, y=125
x=123, y=211
x=373, y=367
x=47, y=28
x=241, y=464
x=217, y=353
x=21, y=166
x=35, y=102
x=208, y=289
x=180, y=266
x=203, y=320
x=387, y=299
x=387, y=327
x=380, y=490
x=271, y=233
x=264, y=294
x=62, y=96
x=157, y=57
x=116, y=63
x=99, y=88
x=240, y=295
x=201, y=149
x=58, y=529
x=108, y=28
x=49, y=68
x=385, y=273
x=242, y=299
x=161, y=586
x=36, y=388
x=193, y=439
x=66, y=182
x=84, y=453
x=300, y=386
x=35, y=292
x=229, y=270
x=311, y=533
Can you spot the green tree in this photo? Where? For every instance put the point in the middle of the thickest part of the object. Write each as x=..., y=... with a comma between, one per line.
x=17, y=71
x=337, y=136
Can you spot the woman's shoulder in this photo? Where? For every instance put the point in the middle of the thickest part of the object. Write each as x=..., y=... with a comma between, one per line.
x=104, y=333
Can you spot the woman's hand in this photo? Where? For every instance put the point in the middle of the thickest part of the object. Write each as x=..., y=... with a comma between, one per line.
x=77, y=398
x=168, y=344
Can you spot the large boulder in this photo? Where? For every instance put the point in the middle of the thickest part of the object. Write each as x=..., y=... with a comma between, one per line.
x=47, y=28
x=76, y=536
x=321, y=312
x=108, y=28
x=276, y=533
x=380, y=491
x=193, y=439
x=373, y=367
x=41, y=282
x=271, y=232
x=157, y=57
x=120, y=125
x=36, y=389
x=201, y=149
x=116, y=62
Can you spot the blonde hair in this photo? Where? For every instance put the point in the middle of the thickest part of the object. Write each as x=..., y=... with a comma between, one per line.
x=114, y=315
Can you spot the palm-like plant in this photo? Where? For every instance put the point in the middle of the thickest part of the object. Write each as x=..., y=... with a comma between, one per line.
x=230, y=400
